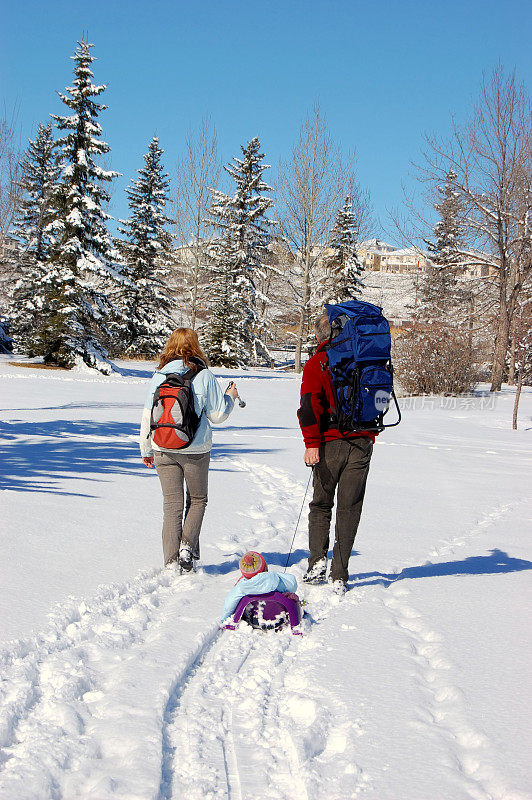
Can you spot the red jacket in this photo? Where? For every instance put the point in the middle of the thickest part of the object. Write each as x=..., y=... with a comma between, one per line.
x=317, y=403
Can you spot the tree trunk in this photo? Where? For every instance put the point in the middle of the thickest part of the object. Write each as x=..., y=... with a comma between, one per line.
x=194, y=293
x=303, y=312
x=297, y=364
x=470, y=331
x=517, y=396
x=501, y=344
x=511, y=369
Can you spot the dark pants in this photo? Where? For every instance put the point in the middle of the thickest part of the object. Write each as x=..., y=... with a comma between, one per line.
x=343, y=464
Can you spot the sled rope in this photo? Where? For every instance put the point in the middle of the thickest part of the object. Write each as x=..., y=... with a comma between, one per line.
x=297, y=523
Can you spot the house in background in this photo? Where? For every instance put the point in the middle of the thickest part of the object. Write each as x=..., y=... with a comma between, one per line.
x=379, y=256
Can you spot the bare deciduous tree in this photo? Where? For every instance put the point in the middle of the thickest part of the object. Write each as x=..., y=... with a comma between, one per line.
x=10, y=173
x=198, y=172
x=311, y=185
x=491, y=156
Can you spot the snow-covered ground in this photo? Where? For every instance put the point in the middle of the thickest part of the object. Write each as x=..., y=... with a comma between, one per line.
x=116, y=680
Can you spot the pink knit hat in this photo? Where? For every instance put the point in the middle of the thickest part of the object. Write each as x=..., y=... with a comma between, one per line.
x=251, y=564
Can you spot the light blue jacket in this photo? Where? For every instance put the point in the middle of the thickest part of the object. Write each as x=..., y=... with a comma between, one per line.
x=208, y=398
x=262, y=583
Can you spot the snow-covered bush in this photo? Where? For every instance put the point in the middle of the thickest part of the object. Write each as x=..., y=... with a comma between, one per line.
x=434, y=359
x=6, y=343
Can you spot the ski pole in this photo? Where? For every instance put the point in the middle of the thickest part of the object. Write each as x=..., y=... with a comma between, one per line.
x=241, y=403
x=297, y=523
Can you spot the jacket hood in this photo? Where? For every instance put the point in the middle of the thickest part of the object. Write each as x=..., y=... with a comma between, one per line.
x=177, y=365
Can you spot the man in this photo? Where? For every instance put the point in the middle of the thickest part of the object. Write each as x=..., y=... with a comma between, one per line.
x=339, y=460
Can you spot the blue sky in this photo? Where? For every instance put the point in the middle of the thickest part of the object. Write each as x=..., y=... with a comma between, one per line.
x=383, y=72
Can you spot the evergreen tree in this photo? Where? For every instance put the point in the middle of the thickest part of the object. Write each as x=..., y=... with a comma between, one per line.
x=146, y=252
x=6, y=342
x=32, y=228
x=343, y=280
x=440, y=290
x=39, y=175
x=222, y=334
x=245, y=235
x=76, y=309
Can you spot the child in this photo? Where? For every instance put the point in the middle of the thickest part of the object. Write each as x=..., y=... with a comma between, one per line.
x=257, y=580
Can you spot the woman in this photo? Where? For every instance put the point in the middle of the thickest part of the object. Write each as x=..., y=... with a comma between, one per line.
x=189, y=466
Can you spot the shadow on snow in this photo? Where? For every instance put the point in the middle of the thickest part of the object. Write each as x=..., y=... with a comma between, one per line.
x=497, y=562
x=79, y=450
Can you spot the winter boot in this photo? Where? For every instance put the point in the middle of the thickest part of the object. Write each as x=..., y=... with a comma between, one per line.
x=316, y=573
x=186, y=561
x=338, y=586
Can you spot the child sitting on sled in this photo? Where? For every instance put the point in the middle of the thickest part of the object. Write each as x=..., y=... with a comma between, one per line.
x=255, y=580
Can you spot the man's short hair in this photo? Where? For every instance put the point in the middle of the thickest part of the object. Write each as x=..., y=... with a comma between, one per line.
x=322, y=327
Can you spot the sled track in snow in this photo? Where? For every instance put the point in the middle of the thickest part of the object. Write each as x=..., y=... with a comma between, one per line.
x=230, y=732
x=23, y=662
x=176, y=694
x=53, y=682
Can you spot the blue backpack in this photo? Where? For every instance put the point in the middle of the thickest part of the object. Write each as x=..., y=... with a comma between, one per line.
x=359, y=353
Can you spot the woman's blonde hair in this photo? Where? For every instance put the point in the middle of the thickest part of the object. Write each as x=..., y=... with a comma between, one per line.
x=184, y=344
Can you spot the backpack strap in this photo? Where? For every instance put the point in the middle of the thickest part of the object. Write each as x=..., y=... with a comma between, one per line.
x=192, y=372
x=198, y=367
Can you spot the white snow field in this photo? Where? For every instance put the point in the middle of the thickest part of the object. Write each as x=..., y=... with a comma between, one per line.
x=116, y=681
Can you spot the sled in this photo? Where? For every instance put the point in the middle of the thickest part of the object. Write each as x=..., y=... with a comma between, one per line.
x=271, y=611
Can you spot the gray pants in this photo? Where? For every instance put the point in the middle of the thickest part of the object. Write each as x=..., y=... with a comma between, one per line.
x=343, y=464
x=175, y=470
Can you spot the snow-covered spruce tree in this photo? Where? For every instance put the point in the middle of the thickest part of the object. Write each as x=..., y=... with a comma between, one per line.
x=74, y=320
x=343, y=278
x=32, y=229
x=244, y=238
x=440, y=291
x=222, y=334
x=146, y=301
x=40, y=173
